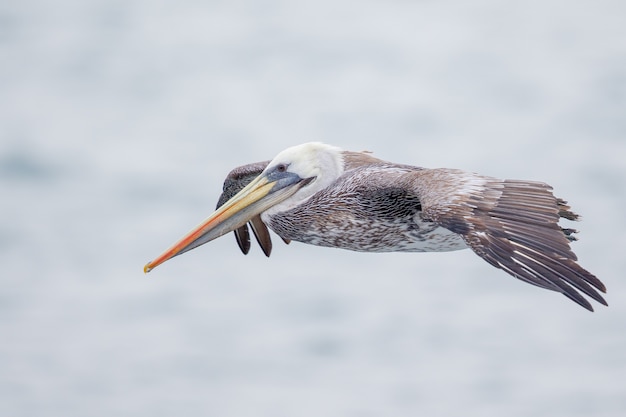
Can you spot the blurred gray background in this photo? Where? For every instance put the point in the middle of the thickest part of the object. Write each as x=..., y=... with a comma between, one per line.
x=120, y=119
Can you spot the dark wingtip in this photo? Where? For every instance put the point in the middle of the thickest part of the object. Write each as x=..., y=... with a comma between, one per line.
x=569, y=234
x=262, y=235
x=565, y=210
x=583, y=302
x=243, y=239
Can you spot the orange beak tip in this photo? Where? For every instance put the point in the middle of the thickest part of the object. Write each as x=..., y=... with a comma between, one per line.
x=147, y=268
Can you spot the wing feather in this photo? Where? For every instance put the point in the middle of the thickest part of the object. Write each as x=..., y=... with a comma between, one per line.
x=235, y=181
x=513, y=225
x=262, y=234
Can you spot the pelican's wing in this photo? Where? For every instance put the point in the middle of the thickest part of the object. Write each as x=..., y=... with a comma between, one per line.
x=236, y=180
x=513, y=225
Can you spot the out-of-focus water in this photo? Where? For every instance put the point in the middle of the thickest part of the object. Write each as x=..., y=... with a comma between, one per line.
x=120, y=119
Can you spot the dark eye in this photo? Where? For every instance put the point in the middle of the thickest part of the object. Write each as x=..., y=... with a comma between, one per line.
x=281, y=167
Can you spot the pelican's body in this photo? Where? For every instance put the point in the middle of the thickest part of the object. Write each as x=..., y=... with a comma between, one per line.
x=370, y=208
x=321, y=195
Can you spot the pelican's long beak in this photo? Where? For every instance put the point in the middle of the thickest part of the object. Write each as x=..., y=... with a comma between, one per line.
x=261, y=194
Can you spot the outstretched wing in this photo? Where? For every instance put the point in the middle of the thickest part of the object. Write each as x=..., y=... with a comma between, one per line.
x=236, y=180
x=513, y=225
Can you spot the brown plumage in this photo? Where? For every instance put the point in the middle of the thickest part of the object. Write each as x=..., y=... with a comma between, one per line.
x=321, y=195
x=235, y=181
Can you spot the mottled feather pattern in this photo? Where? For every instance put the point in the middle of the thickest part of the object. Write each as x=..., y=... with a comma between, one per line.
x=367, y=212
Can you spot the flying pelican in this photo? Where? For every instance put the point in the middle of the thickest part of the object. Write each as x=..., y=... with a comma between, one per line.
x=323, y=195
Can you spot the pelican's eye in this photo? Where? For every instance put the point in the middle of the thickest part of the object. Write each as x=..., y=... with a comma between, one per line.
x=281, y=167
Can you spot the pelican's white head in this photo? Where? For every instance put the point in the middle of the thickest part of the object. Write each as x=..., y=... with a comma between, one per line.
x=319, y=162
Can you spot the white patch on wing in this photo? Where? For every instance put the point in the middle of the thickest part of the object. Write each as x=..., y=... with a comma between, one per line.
x=471, y=185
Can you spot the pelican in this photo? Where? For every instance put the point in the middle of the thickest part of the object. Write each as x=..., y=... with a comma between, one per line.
x=322, y=195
